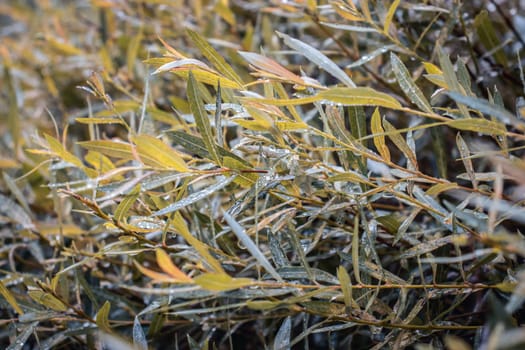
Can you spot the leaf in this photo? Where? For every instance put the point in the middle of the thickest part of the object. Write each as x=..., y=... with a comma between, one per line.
x=370, y=56
x=250, y=245
x=132, y=52
x=19, y=342
x=201, y=119
x=47, y=299
x=488, y=108
x=282, y=338
x=244, y=179
x=350, y=176
x=194, y=197
x=389, y=16
x=379, y=138
x=126, y=203
x=60, y=151
x=166, y=265
x=180, y=226
x=139, y=338
x=318, y=58
x=489, y=38
x=266, y=65
x=206, y=77
x=451, y=79
x=109, y=148
x=221, y=282
x=346, y=287
x=95, y=120
x=465, y=158
x=158, y=277
x=480, y=125
x=154, y=152
x=102, y=317
x=195, y=145
x=400, y=143
x=213, y=56
x=407, y=84
x=9, y=297
x=360, y=96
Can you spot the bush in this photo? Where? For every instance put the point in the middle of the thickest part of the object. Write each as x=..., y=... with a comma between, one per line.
x=248, y=175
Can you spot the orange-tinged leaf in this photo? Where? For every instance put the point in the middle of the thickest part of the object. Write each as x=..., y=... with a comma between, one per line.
x=265, y=64
x=165, y=263
x=158, y=277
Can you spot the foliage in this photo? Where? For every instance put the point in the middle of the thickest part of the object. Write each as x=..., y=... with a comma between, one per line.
x=234, y=174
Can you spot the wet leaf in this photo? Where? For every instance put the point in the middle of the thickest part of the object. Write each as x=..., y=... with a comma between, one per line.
x=408, y=85
x=318, y=58
x=201, y=119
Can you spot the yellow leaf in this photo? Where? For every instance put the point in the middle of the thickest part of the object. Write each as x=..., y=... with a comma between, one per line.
x=9, y=297
x=102, y=318
x=221, y=282
x=432, y=68
x=379, y=138
x=47, y=299
x=206, y=77
x=154, y=152
x=180, y=226
x=59, y=150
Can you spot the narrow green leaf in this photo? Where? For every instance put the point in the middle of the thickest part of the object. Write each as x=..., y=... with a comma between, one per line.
x=250, y=245
x=465, y=158
x=451, y=79
x=346, y=287
x=47, y=299
x=488, y=108
x=215, y=58
x=195, y=145
x=102, y=317
x=126, y=203
x=201, y=118
x=488, y=36
x=408, y=85
x=357, y=118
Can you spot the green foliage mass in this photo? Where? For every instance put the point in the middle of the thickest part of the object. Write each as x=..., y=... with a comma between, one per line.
x=220, y=174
